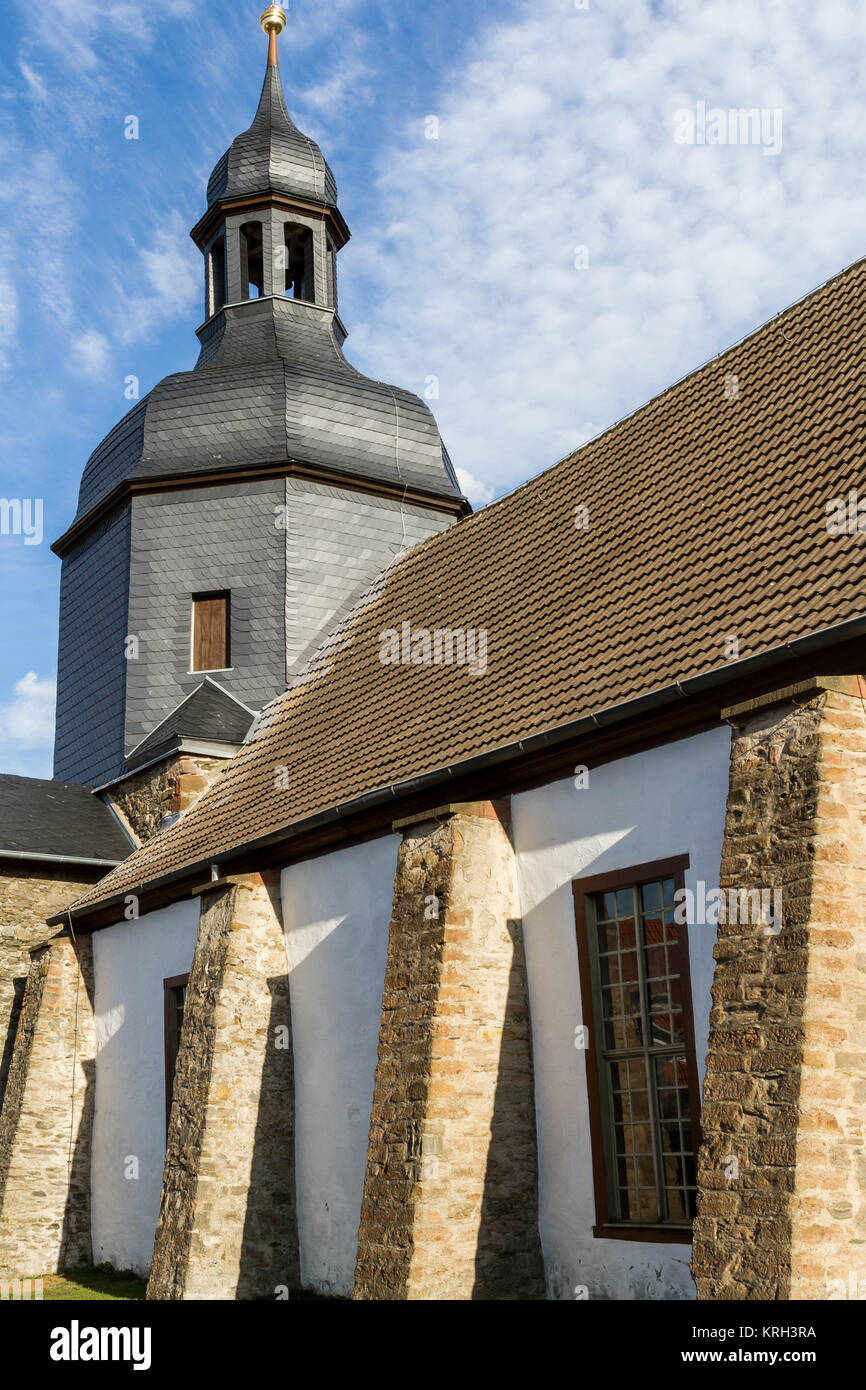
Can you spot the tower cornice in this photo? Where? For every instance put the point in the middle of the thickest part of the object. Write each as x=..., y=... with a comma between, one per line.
x=216, y=214
x=291, y=468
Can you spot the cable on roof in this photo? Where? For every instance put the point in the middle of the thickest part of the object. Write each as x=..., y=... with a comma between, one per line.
x=397, y=465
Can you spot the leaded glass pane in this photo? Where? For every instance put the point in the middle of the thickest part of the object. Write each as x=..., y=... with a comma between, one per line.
x=644, y=1072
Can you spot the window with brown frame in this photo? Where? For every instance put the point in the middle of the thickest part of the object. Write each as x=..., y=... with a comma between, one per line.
x=641, y=1064
x=211, y=632
x=174, y=1000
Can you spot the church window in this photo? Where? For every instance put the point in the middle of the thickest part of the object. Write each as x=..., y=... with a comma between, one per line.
x=211, y=632
x=638, y=1037
x=252, y=261
x=174, y=996
x=299, y=263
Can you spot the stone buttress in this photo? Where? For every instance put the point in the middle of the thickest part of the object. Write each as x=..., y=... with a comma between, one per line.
x=450, y=1207
x=47, y=1117
x=782, y=1170
x=227, y=1223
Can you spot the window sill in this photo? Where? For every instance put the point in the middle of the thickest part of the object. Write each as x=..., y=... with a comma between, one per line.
x=661, y=1235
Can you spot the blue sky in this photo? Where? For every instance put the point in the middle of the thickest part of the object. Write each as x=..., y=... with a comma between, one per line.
x=556, y=131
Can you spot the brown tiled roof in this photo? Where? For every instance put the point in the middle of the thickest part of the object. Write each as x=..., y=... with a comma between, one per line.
x=707, y=517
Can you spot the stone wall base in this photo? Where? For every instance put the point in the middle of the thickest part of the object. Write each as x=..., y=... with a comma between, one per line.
x=450, y=1208
x=29, y=892
x=782, y=1170
x=47, y=1118
x=227, y=1223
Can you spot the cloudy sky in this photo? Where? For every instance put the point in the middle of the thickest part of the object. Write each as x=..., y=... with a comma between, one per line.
x=554, y=258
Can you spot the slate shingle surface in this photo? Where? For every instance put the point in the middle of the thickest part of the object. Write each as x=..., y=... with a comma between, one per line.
x=273, y=154
x=135, y=576
x=92, y=666
x=204, y=541
x=707, y=517
x=209, y=713
x=336, y=544
x=59, y=819
x=273, y=385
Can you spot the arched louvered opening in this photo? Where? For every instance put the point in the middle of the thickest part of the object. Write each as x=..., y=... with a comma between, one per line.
x=216, y=276
x=252, y=261
x=299, y=263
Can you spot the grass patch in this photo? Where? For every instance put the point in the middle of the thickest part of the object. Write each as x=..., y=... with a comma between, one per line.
x=106, y=1284
x=91, y=1285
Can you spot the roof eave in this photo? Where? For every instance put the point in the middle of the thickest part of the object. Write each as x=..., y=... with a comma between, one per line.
x=626, y=711
x=82, y=860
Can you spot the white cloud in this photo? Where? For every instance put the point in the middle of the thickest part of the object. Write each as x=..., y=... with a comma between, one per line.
x=478, y=493
x=77, y=26
x=91, y=354
x=8, y=307
x=27, y=721
x=35, y=81
x=556, y=133
x=171, y=269
x=320, y=21
x=172, y=273
x=76, y=71
x=37, y=217
x=349, y=77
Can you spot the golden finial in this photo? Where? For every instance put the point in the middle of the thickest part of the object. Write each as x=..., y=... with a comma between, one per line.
x=273, y=21
x=273, y=18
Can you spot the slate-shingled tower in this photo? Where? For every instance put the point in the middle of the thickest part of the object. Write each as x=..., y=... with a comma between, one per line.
x=265, y=489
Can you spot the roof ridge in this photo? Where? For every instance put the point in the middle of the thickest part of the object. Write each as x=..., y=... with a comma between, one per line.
x=659, y=395
x=209, y=680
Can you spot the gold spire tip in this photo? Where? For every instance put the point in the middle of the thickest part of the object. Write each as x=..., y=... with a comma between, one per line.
x=273, y=20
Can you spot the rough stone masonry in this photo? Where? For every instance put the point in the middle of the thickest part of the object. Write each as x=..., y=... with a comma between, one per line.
x=47, y=1117
x=782, y=1170
x=450, y=1206
x=228, y=1222
x=29, y=892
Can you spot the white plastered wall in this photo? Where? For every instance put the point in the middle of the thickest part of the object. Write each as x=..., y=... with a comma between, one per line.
x=131, y=961
x=337, y=911
x=651, y=806
x=337, y=908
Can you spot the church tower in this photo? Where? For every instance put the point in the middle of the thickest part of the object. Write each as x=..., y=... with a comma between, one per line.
x=236, y=513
